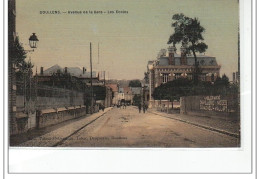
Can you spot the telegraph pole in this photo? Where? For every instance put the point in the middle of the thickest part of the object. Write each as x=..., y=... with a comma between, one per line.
x=91, y=87
x=104, y=78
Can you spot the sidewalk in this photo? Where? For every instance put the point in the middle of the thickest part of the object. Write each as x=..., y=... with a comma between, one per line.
x=54, y=137
x=229, y=126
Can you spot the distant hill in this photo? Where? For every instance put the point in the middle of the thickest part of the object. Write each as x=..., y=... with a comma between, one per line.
x=52, y=69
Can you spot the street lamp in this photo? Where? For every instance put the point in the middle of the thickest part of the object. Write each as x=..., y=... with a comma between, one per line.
x=33, y=40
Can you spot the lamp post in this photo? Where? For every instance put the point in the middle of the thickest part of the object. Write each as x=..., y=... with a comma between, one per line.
x=150, y=67
x=33, y=40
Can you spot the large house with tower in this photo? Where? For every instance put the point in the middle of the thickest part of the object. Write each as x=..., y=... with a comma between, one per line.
x=174, y=66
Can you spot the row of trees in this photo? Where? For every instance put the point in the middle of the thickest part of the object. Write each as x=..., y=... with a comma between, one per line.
x=173, y=90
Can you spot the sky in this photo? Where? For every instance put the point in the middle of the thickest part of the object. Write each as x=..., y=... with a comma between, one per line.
x=127, y=41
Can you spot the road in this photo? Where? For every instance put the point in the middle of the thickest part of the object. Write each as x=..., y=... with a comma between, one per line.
x=129, y=128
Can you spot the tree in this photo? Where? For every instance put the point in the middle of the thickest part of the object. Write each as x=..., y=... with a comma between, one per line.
x=146, y=77
x=136, y=100
x=188, y=32
x=17, y=54
x=221, y=85
x=173, y=89
x=135, y=83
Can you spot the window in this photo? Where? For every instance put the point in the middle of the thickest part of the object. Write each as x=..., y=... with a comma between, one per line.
x=203, y=77
x=165, y=77
x=177, y=75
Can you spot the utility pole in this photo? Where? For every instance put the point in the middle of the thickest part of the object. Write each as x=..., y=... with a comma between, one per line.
x=91, y=87
x=104, y=72
x=98, y=53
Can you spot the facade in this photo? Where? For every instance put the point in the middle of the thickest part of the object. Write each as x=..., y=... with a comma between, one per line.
x=75, y=72
x=174, y=66
x=128, y=95
x=78, y=75
x=121, y=94
x=114, y=88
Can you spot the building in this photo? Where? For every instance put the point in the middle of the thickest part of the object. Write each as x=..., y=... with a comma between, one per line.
x=128, y=95
x=235, y=78
x=174, y=66
x=121, y=94
x=75, y=72
x=114, y=88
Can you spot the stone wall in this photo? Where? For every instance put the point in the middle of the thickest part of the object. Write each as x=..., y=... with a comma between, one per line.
x=211, y=106
x=164, y=104
x=47, y=117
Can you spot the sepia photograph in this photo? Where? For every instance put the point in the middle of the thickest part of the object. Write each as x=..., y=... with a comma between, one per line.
x=134, y=74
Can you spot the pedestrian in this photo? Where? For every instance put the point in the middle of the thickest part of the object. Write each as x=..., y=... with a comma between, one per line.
x=139, y=107
x=144, y=108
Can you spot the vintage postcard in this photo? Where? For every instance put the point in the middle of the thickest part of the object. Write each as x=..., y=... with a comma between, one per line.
x=141, y=74
x=107, y=86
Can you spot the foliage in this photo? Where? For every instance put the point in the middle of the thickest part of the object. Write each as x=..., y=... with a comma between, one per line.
x=188, y=32
x=64, y=80
x=23, y=69
x=17, y=54
x=173, y=90
x=99, y=92
x=135, y=83
x=146, y=77
x=136, y=100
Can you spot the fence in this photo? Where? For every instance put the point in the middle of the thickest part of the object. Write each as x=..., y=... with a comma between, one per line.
x=32, y=98
x=36, y=97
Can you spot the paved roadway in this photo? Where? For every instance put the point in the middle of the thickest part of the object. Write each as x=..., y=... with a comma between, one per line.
x=129, y=128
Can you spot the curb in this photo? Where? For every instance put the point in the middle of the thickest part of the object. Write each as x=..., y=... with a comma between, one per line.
x=201, y=126
x=76, y=131
x=60, y=139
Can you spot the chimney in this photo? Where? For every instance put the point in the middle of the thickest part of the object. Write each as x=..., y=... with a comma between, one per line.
x=66, y=69
x=237, y=77
x=84, y=70
x=41, y=72
x=171, y=51
x=183, y=56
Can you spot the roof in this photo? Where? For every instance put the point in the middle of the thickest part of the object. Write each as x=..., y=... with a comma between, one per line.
x=88, y=75
x=127, y=90
x=52, y=70
x=113, y=87
x=74, y=71
x=202, y=59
